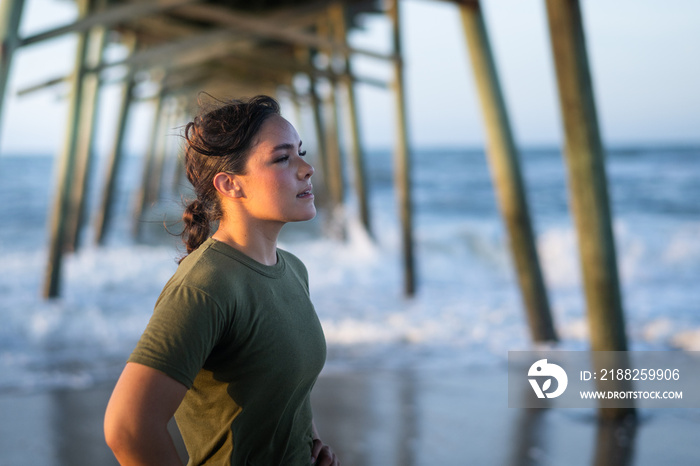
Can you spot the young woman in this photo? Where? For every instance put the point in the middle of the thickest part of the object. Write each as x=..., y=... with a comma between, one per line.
x=234, y=345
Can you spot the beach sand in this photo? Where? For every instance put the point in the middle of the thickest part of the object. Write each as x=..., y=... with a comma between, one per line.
x=402, y=417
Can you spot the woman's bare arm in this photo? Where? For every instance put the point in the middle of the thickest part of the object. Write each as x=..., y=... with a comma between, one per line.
x=143, y=402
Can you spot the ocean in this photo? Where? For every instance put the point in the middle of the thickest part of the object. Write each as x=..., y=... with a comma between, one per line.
x=467, y=310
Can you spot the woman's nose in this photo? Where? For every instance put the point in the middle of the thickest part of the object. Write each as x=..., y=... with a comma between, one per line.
x=306, y=170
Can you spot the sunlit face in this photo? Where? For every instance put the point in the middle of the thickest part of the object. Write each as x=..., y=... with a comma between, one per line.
x=276, y=185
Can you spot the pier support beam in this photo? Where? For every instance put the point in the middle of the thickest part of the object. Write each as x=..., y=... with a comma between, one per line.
x=587, y=181
x=335, y=175
x=65, y=170
x=507, y=177
x=10, y=16
x=321, y=182
x=303, y=56
x=142, y=194
x=337, y=16
x=402, y=156
x=181, y=119
x=116, y=156
x=318, y=127
x=90, y=86
x=335, y=178
x=169, y=118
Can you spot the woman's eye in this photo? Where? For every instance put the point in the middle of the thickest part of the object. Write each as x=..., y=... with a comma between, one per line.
x=284, y=158
x=302, y=153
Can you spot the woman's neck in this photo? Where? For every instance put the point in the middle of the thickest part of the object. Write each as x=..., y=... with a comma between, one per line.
x=259, y=242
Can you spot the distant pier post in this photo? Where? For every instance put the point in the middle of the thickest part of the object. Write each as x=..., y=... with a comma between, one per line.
x=335, y=179
x=181, y=119
x=66, y=167
x=295, y=100
x=587, y=181
x=142, y=193
x=402, y=156
x=90, y=87
x=116, y=155
x=505, y=169
x=337, y=14
x=318, y=127
x=10, y=16
x=303, y=55
x=169, y=121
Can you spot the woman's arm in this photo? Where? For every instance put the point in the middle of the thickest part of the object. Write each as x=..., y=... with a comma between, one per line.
x=143, y=402
x=321, y=454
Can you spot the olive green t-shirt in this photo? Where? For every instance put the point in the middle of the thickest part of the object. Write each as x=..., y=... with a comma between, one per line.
x=245, y=340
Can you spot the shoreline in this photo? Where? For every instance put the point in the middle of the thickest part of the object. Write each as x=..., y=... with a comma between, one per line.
x=401, y=417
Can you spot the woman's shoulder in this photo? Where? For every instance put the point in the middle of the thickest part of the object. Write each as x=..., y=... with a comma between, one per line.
x=292, y=260
x=204, y=269
x=289, y=257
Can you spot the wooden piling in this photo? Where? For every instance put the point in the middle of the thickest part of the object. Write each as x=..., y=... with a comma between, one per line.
x=336, y=224
x=336, y=180
x=295, y=100
x=104, y=214
x=302, y=56
x=337, y=15
x=507, y=177
x=10, y=16
x=402, y=156
x=319, y=126
x=90, y=85
x=148, y=162
x=587, y=181
x=65, y=171
x=169, y=117
x=334, y=176
x=182, y=118
x=320, y=176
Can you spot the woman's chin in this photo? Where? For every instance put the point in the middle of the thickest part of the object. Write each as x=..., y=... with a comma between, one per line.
x=310, y=215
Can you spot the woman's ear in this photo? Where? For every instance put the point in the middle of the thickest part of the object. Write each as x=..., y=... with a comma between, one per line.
x=228, y=185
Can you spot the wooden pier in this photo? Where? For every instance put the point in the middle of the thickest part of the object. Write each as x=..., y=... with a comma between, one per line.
x=239, y=47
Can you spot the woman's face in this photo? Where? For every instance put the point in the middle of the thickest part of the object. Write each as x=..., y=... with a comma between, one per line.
x=276, y=185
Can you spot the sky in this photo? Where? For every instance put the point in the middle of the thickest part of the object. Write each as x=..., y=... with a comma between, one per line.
x=641, y=52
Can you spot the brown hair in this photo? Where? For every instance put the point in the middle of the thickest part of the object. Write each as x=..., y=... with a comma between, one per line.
x=218, y=140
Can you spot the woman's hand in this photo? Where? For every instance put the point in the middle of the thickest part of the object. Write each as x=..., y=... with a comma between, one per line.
x=322, y=455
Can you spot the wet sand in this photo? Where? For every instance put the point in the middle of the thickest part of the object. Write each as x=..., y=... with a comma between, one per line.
x=406, y=418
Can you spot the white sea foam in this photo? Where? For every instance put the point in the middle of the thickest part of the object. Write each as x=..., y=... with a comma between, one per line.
x=467, y=309
x=688, y=340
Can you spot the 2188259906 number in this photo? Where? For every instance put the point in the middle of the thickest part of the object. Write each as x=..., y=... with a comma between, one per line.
x=640, y=374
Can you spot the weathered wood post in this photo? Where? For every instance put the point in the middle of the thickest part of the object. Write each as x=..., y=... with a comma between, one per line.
x=90, y=86
x=506, y=173
x=168, y=118
x=182, y=118
x=295, y=99
x=402, y=156
x=321, y=176
x=10, y=16
x=335, y=179
x=66, y=166
x=148, y=163
x=303, y=56
x=337, y=14
x=116, y=155
x=587, y=182
x=319, y=127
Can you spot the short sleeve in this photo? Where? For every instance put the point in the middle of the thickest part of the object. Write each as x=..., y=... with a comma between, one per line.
x=185, y=326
